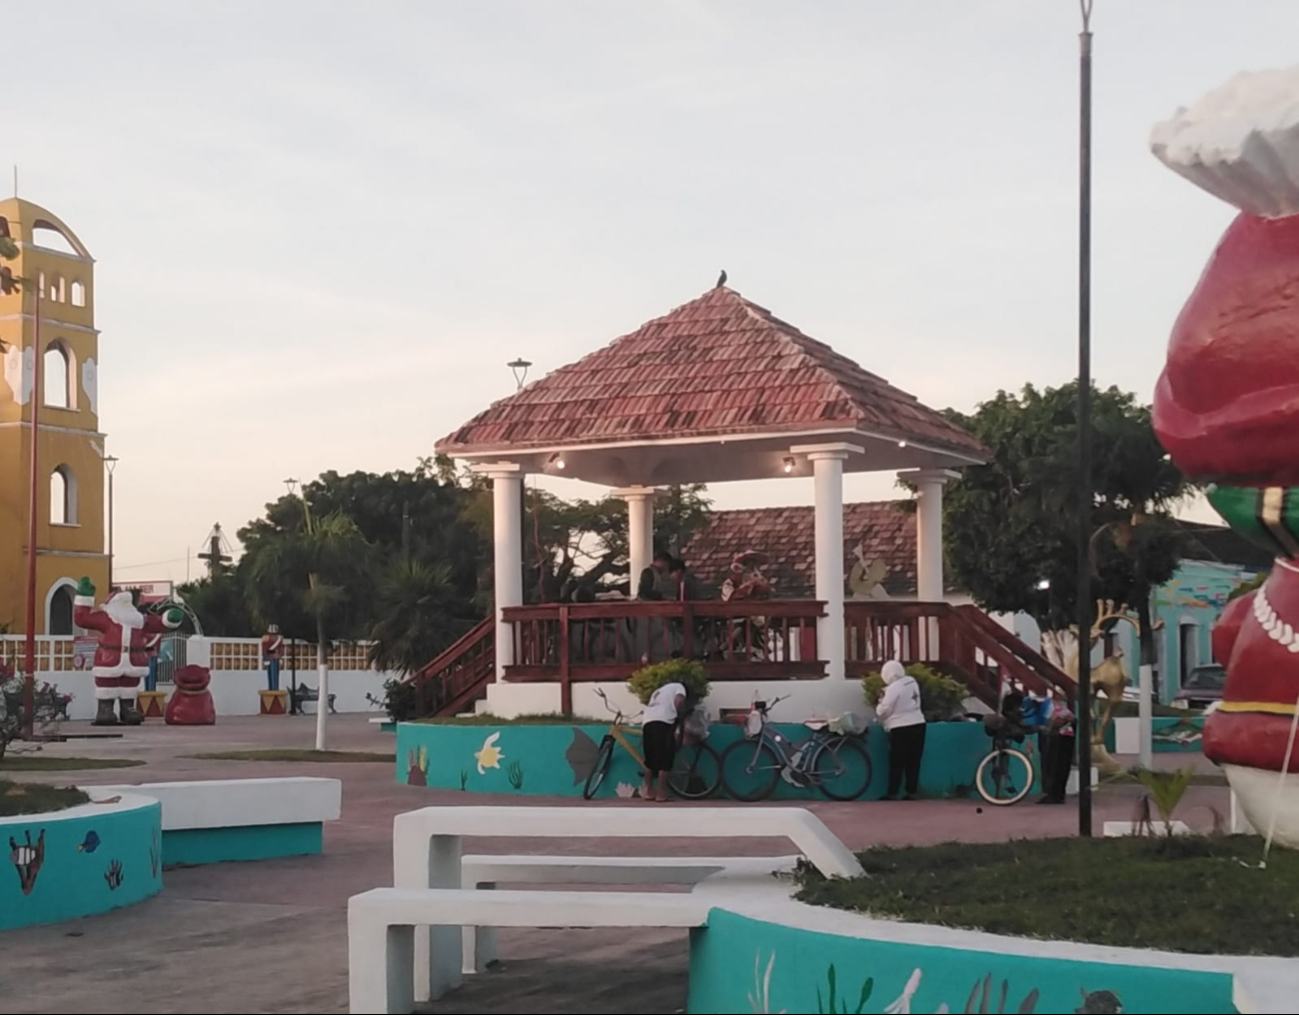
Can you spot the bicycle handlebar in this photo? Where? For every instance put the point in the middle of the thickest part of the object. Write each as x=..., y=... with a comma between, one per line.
x=766, y=706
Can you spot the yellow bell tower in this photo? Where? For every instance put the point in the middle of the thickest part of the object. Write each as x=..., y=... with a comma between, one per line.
x=51, y=315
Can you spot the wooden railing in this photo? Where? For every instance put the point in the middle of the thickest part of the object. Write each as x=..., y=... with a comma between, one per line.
x=459, y=676
x=750, y=640
x=962, y=641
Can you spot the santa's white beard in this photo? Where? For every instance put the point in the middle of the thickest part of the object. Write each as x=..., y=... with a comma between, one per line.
x=124, y=612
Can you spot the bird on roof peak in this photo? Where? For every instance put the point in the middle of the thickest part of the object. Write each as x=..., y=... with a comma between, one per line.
x=721, y=279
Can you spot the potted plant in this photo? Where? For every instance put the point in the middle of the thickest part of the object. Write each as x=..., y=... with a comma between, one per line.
x=941, y=697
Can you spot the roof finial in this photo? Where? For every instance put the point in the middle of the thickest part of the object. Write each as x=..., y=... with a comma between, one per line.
x=721, y=279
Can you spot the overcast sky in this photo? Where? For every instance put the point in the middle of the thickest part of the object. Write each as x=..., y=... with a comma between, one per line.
x=323, y=228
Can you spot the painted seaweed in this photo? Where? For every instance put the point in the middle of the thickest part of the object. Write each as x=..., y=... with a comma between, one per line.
x=832, y=1003
x=514, y=772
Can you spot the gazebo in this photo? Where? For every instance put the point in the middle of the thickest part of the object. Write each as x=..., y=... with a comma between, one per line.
x=717, y=390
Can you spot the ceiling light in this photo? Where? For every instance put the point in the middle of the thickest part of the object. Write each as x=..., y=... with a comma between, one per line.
x=902, y=444
x=789, y=466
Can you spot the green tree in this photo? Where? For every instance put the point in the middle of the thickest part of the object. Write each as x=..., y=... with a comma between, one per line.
x=322, y=568
x=418, y=613
x=1011, y=525
x=221, y=605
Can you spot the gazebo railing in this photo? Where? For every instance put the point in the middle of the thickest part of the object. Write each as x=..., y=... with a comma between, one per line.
x=962, y=641
x=751, y=639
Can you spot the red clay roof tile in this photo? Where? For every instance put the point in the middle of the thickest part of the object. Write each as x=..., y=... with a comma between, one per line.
x=716, y=366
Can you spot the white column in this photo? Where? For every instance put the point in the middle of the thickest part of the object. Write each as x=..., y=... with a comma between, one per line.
x=827, y=478
x=640, y=528
x=929, y=485
x=507, y=536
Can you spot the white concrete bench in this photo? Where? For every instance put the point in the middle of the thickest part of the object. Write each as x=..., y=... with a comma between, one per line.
x=486, y=872
x=217, y=820
x=427, y=844
x=1265, y=993
x=381, y=931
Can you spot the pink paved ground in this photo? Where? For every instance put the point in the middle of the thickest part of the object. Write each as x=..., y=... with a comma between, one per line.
x=271, y=936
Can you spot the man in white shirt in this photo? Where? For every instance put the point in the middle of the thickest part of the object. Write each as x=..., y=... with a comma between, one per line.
x=903, y=717
x=659, y=734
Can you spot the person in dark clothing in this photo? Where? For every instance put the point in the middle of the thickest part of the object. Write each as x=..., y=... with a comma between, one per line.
x=652, y=578
x=1058, y=752
x=899, y=709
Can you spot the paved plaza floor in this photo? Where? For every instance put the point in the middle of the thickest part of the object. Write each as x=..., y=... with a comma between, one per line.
x=271, y=936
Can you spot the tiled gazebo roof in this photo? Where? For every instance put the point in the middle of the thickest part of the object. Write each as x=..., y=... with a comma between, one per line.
x=787, y=536
x=719, y=366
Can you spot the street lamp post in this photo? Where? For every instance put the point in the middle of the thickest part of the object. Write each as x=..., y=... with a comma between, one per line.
x=110, y=463
x=1085, y=494
x=322, y=649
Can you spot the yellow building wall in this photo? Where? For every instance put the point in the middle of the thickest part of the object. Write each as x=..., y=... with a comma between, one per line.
x=69, y=436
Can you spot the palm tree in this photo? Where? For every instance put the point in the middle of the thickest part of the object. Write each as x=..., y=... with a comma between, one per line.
x=321, y=567
x=417, y=615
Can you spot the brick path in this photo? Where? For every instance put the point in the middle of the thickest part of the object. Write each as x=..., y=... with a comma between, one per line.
x=270, y=937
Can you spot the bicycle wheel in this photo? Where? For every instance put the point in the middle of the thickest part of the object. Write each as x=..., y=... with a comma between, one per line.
x=842, y=769
x=750, y=770
x=1004, y=777
x=696, y=773
x=603, y=761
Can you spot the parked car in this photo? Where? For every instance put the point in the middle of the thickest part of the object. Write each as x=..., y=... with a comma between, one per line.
x=1203, y=687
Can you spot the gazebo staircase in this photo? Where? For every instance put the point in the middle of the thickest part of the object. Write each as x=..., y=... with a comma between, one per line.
x=961, y=641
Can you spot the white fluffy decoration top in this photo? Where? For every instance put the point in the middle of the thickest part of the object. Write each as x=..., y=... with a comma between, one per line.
x=1240, y=142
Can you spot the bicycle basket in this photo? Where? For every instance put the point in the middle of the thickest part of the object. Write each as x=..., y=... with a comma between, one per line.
x=846, y=725
x=696, y=725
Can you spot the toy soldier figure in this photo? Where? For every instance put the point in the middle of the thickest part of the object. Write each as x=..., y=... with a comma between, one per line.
x=272, y=649
x=122, y=654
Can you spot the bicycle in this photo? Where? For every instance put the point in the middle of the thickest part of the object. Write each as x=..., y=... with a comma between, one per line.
x=1009, y=769
x=833, y=759
x=695, y=775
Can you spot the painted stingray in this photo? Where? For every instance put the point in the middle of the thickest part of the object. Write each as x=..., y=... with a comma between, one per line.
x=581, y=756
x=1102, y=1002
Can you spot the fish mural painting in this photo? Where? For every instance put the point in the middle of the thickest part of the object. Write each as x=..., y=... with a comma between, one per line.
x=113, y=876
x=28, y=858
x=90, y=843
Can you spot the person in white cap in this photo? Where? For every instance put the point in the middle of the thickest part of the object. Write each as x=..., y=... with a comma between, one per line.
x=903, y=717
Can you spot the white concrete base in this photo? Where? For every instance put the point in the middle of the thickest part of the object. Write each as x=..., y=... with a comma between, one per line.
x=1074, y=784
x=236, y=803
x=1118, y=829
x=1256, y=792
x=1265, y=993
x=381, y=923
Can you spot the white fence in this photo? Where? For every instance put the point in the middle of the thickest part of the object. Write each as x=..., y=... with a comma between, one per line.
x=236, y=664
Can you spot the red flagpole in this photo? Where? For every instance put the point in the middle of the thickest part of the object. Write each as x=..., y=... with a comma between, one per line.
x=33, y=503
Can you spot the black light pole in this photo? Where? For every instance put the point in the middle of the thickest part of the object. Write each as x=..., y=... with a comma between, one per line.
x=1085, y=495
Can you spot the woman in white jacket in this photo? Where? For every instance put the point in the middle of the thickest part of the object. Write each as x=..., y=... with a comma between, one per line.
x=900, y=711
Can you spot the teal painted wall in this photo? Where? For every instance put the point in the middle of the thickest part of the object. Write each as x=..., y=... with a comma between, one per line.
x=84, y=864
x=742, y=965
x=555, y=760
x=193, y=847
x=1177, y=736
x=1195, y=597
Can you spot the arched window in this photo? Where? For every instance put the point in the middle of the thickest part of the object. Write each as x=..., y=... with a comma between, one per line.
x=59, y=620
x=78, y=294
x=63, y=496
x=56, y=289
x=60, y=370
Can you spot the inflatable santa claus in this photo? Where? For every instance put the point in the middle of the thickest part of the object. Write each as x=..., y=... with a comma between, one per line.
x=1227, y=410
x=122, y=655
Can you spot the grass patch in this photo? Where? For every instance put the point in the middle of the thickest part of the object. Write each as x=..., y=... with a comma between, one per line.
x=1185, y=894
x=36, y=798
x=537, y=719
x=293, y=754
x=52, y=763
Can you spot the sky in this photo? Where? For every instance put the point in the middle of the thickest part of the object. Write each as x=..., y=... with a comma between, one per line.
x=322, y=229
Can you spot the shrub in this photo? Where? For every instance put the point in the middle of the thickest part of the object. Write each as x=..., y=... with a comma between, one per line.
x=645, y=681
x=400, y=700
x=47, y=700
x=941, y=697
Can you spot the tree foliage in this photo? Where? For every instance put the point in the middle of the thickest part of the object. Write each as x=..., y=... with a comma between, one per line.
x=1012, y=524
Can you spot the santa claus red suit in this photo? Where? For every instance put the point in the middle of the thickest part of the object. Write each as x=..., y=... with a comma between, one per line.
x=122, y=655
